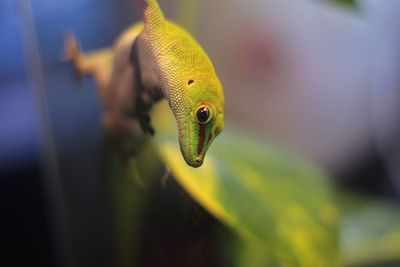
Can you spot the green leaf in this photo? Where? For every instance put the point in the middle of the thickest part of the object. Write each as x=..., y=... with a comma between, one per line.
x=279, y=206
x=370, y=230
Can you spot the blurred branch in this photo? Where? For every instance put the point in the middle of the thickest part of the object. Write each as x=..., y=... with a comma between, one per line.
x=188, y=13
x=51, y=177
x=348, y=3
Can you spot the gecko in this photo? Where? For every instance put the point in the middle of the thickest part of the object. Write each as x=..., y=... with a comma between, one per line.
x=159, y=59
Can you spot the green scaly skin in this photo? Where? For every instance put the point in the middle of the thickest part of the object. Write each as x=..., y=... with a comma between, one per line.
x=187, y=79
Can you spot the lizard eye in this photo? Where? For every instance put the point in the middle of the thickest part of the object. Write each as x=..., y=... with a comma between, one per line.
x=203, y=114
x=190, y=82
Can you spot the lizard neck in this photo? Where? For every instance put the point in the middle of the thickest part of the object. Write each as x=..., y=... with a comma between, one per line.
x=145, y=81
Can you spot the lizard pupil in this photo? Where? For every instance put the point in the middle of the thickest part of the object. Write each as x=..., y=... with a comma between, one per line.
x=190, y=82
x=203, y=114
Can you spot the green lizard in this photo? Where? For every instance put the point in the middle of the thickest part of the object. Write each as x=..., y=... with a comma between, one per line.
x=166, y=57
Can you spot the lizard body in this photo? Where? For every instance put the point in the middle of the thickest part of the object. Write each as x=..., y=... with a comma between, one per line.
x=187, y=79
x=167, y=58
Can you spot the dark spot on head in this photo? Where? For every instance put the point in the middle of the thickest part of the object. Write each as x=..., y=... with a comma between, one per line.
x=190, y=82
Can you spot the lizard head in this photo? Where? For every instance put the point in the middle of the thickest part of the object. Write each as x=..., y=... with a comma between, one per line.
x=200, y=119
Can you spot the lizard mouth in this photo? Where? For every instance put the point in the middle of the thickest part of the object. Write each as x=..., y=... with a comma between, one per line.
x=197, y=162
x=190, y=152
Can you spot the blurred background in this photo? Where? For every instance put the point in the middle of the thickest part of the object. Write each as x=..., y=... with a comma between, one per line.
x=320, y=79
